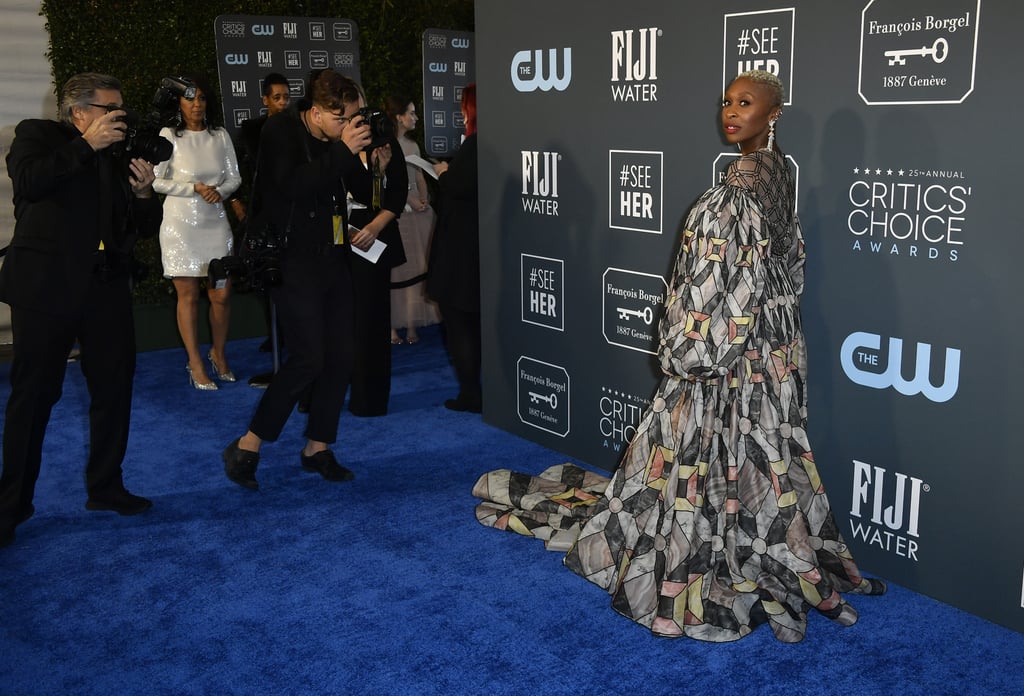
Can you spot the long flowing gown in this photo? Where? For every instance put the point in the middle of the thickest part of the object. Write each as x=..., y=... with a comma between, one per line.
x=716, y=520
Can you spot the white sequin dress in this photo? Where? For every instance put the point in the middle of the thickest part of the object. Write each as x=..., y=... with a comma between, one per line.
x=194, y=231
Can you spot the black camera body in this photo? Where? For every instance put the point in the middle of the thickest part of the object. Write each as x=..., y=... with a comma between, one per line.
x=142, y=135
x=257, y=265
x=381, y=127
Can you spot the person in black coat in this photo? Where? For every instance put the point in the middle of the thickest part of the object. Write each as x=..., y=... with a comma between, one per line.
x=453, y=279
x=67, y=276
x=308, y=160
x=371, y=374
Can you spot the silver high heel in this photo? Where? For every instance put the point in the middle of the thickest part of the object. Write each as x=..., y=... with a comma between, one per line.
x=222, y=375
x=201, y=387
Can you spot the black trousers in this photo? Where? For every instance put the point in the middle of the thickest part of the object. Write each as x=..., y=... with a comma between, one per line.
x=371, y=373
x=105, y=332
x=462, y=333
x=314, y=309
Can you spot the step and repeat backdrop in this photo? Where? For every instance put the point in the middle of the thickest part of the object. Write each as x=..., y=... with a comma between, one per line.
x=901, y=122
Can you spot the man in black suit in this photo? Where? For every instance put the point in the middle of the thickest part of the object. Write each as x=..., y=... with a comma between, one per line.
x=78, y=209
x=309, y=159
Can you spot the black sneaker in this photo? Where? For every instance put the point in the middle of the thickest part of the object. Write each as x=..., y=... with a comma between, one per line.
x=326, y=465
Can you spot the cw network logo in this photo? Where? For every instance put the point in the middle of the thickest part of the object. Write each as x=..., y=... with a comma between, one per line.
x=460, y=42
x=529, y=73
x=237, y=58
x=860, y=357
x=262, y=29
x=437, y=67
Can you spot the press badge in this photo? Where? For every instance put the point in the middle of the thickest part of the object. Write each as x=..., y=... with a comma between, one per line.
x=339, y=230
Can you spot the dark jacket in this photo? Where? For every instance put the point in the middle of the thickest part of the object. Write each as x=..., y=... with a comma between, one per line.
x=56, y=179
x=454, y=272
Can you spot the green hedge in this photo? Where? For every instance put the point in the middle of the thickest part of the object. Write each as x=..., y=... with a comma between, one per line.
x=141, y=41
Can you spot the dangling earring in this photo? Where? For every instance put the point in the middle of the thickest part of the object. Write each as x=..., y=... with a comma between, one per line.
x=771, y=135
x=177, y=119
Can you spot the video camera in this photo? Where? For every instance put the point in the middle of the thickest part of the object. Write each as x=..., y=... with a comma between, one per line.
x=257, y=265
x=142, y=135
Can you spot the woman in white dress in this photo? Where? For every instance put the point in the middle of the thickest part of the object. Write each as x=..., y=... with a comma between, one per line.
x=201, y=173
x=410, y=308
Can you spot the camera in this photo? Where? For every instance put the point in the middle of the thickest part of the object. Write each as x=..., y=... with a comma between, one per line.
x=381, y=128
x=142, y=135
x=257, y=265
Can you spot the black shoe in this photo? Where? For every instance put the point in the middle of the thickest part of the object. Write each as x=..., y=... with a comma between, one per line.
x=261, y=381
x=327, y=466
x=123, y=503
x=460, y=404
x=240, y=466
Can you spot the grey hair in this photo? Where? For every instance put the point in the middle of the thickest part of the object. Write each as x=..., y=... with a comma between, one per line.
x=81, y=89
x=769, y=80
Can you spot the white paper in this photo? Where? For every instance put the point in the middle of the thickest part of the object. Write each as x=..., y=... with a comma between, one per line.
x=373, y=253
x=422, y=164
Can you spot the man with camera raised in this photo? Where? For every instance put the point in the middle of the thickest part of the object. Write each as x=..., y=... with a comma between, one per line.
x=67, y=277
x=308, y=161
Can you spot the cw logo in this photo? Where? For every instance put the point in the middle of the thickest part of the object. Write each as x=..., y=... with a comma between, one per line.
x=861, y=349
x=263, y=29
x=460, y=43
x=528, y=75
x=237, y=59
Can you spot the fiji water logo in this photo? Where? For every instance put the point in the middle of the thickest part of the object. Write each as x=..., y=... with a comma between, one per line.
x=530, y=73
x=886, y=510
x=861, y=359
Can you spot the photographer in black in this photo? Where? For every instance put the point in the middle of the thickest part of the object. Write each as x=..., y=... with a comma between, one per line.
x=308, y=160
x=67, y=276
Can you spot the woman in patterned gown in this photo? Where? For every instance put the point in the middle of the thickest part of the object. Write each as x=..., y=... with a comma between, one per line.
x=716, y=520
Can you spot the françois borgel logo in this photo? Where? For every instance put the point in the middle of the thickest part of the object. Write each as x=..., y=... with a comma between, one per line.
x=918, y=51
x=866, y=364
x=540, y=182
x=886, y=509
x=761, y=40
x=543, y=395
x=909, y=214
x=542, y=298
x=635, y=190
x=635, y=65
x=543, y=70
x=632, y=305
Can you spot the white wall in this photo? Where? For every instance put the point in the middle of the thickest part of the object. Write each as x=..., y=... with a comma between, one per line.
x=27, y=87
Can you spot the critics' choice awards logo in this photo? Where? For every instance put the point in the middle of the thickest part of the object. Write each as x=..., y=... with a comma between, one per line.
x=909, y=214
x=866, y=364
x=913, y=52
x=619, y=413
x=542, y=295
x=635, y=65
x=632, y=304
x=635, y=190
x=233, y=30
x=540, y=182
x=542, y=69
x=760, y=41
x=886, y=509
x=543, y=395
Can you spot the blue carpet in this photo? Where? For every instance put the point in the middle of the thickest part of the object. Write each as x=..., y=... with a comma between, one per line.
x=384, y=585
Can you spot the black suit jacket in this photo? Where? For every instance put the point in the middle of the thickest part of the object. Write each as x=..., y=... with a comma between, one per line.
x=57, y=182
x=453, y=276
x=301, y=181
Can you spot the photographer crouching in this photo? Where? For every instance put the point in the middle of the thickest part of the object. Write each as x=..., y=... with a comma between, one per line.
x=67, y=275
x=308, y=159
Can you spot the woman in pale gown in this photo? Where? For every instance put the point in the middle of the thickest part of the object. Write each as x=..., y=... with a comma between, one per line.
x=200, y=174
x=410, y=308
x=716, y=520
